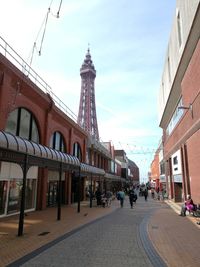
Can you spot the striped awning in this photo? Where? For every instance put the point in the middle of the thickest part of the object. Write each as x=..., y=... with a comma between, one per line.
x=113, y=177
x=18, y=144
x=43, y=156
x=88, y=169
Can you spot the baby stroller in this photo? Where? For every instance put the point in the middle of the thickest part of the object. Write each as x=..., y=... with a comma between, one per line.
x=103, y=201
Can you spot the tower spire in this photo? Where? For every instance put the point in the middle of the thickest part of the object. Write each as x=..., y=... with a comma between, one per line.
x=87, y=109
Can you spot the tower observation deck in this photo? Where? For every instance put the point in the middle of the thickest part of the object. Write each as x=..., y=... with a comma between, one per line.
x=87, y=109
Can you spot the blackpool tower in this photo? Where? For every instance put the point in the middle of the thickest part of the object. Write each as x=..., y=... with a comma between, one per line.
x=87, y=109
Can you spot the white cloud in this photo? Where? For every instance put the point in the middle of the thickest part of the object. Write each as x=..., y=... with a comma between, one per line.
x=127, y=41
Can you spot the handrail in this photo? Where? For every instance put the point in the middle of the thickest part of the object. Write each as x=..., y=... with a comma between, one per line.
x=26, y=69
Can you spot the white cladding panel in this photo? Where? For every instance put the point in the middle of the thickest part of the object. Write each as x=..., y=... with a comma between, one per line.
x=124, y=165
x=176, y=163
x=186, y=10
x=13, y=170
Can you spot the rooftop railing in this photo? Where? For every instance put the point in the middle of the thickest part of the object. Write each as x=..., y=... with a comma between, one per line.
x=26, y=69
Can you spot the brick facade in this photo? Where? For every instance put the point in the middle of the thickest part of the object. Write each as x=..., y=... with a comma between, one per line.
x=17, y=90
x=186, y=135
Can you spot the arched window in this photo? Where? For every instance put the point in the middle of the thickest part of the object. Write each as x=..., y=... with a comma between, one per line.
x=57, y=142
x=77, y=151
x=21, y=122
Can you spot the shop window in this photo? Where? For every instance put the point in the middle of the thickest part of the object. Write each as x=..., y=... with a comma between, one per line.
x=77, y=151
x=12, y=122
x=175, y=160
x=52, y=193
x=57, y=142
x=30, y=194
x=162, y=168
x=14, y=198
x=24, y=130
x=21, y=123
x=177, y=115
x=34, y=131
x=3, y=190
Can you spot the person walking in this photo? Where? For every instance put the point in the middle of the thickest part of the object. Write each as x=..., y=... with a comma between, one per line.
x=98, y=196
x=121, y=197
x=152, y=193
x=145, y=194
x=132, y=197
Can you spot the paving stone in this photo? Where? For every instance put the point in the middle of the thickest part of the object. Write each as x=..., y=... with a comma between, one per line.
x=150, y=234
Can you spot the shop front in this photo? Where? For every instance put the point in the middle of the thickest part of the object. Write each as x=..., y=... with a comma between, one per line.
x=53, y=188
x=11, y=181
x=177, y=178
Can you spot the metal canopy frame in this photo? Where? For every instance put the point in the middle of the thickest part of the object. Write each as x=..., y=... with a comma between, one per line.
x=113, y=177
x=14, y=149
x=27, y=154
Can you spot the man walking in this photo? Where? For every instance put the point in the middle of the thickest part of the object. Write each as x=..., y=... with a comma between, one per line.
x=121, y=197
x=145, y=194
x=132, y=197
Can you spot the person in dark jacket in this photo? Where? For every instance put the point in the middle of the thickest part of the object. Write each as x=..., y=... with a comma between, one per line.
x=145, y=194
x=132, y=197
x=98, y=196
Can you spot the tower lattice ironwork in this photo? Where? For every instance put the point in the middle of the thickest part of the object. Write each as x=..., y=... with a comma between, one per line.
x=87, y=109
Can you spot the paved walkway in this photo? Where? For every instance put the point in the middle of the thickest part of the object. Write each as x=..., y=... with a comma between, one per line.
x=111, y=241
x=176, y=239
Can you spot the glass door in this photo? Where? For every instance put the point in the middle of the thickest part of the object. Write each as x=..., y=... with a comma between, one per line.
x=52, y=193
x=3, y=192
x=14, y=198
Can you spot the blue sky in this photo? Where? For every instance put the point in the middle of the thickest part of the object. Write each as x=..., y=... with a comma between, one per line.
x=128, y=42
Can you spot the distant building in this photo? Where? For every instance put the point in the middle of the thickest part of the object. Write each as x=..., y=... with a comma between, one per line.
x=46, y=158
x=133, y=174
x=129, y=170
x=121, y=156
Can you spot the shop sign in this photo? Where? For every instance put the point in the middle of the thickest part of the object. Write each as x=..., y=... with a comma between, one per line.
x=178, y=178
x=162, y=178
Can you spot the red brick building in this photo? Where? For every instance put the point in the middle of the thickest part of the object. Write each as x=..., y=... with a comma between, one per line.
x=133, y=172
x=180, y=104
x=29, y=109
x=29, y=112
x=45, y=156
x=155, y=172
